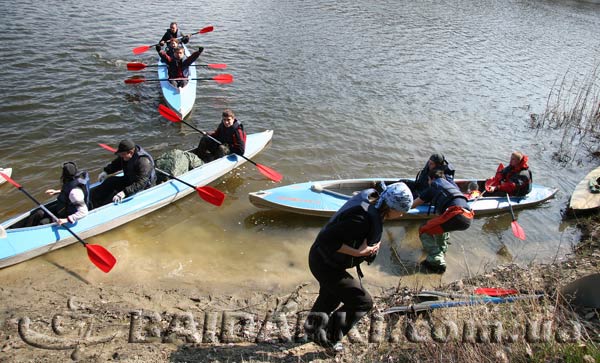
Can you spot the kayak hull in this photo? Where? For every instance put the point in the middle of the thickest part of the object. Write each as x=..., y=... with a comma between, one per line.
x=180, y=100
x=25, y=243
x=324, y=198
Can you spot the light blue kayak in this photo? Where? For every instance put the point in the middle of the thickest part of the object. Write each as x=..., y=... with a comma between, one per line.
x=181, y=100
x=324, y=198
x=22, y=244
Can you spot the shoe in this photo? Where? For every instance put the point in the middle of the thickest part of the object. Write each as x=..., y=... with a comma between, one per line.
x=427, y=267
x=337, y=348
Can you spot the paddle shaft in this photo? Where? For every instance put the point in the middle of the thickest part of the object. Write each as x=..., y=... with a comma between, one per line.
x=174, y=177
x=512, y=213
x=55, y=218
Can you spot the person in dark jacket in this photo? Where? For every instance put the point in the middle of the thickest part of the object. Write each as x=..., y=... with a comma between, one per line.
x=173, y=32
x=515, y=179
x=178, y=67
x=436, y=161
x=138, y=174
x=230, y=133
x=351, y=237
x=454, y=214
x=72, y=203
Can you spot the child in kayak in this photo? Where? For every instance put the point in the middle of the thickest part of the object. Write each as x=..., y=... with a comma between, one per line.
x=177, y=65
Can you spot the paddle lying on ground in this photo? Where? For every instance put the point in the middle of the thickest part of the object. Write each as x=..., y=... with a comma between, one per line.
x=144, y=48
x=137, y=66
x=516, y=228
x=220, y=78
x=430, y=305
x=173, y=117
x=479, y=293
x=208, y=193
x=99, y=256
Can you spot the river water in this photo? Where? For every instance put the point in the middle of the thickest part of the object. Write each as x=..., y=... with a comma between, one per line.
x=351, y=88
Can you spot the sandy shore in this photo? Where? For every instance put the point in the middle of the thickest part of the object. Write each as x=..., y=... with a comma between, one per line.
x=71, y=319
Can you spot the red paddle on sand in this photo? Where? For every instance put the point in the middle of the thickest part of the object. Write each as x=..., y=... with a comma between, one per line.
x=212, y=195
x=220, y=78
x=144, y=48
x=495, y=291
x=99, y=256
x=173, y=117
x=138, y=66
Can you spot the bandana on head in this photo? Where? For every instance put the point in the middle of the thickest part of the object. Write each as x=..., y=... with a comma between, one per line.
x=397, y=196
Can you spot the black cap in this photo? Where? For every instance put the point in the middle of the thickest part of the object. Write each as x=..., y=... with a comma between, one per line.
x=437, y=158
x=69, y=170
x=125, y=145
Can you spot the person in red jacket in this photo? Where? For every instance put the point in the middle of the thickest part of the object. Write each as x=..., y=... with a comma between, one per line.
x=515, y=179
x=177, y=65
x=231, y=136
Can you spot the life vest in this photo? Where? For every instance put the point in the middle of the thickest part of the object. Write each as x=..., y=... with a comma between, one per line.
x=446, y=194
x=64, y=206
x=519, y=177
x=234, y=136
x=129, y=170
x=422, y=178
x=358, y=203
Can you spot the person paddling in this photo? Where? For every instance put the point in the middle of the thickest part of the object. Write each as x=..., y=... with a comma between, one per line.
x=230, y=133
x=515, y=179
x=173, y=33
x=138, y=174
x=178, y=67
x=350, y=237
x=72, y=203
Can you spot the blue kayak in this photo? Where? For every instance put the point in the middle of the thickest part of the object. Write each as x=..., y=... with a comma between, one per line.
x=181, y=100
x=24, y=243
x=324, y=198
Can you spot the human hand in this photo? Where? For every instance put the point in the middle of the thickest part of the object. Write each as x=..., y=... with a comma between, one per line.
x=158, y=48
x=161, y=43
x=52, y=191
x=102, y=177
x=118, y=198
x=200, y=49
x=185, y=39
x=366, y=250
x=61, y=221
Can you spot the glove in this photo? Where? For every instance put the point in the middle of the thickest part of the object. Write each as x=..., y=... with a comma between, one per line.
x=102, y=176
x=185, y=39
x=158, y=48
x=118, y=197
x=200, y=49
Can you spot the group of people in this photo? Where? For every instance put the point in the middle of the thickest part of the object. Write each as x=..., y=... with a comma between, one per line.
x=352, y=236
x=174, y=55
x=75, y=198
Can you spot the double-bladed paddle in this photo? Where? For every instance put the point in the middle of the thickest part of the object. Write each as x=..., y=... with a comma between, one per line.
x=174, y=117
x=138, y=66
x=144, y=48
x=219, y=78
x=208, y=193
x=99, y=256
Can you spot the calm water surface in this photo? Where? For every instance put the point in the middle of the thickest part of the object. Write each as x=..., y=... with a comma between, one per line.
x=351, y=88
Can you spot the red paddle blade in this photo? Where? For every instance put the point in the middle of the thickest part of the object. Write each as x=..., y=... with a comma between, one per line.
x=217, y=65
x=140, y=50
x=135, y=66
x=223, y=78
x=207, y=29
x=517, y=230
x=269, y=173
x=100, y=257
x=107, y=147
x=493, y=291
x=168, y=113
x=135, y=80
x=8, y=179
x=211, y=195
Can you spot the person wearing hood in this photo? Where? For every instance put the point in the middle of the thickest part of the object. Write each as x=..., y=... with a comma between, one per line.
x=436, y=161
x=350, y=237
x=515, y=179
x=231, y=135
x=72, y=203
